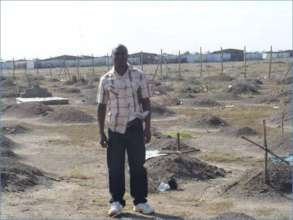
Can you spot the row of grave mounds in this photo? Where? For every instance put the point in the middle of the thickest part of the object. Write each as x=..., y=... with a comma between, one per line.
x=64, y=114
x=15, y=175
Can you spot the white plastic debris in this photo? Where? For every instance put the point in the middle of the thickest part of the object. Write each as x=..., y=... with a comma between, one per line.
x=163, y=187
x=276, y=107
x=46, y=100
x=153, y=153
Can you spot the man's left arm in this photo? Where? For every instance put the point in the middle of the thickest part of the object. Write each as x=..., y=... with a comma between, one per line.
x=145, y=94
x=146, y=106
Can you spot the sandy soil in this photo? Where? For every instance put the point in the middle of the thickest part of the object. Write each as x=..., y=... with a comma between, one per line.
x=70, y=153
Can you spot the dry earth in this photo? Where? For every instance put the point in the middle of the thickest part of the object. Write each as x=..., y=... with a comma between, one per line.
x=66, y=149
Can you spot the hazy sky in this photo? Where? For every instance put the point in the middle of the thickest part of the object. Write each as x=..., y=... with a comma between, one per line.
x=48, y=28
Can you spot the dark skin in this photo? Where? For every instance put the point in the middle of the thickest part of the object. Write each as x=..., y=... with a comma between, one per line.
x=120, y=56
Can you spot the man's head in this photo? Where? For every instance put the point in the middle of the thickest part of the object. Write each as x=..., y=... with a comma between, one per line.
x=120, y=55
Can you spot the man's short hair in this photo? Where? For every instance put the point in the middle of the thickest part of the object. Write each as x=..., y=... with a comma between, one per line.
x=119, y=46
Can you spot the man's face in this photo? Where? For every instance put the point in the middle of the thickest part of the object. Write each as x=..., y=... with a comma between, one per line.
x=120, y=56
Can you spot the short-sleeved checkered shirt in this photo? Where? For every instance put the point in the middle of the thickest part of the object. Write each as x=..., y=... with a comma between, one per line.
x=122, y=95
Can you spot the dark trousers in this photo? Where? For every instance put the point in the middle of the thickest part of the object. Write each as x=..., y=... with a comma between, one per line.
x=133, y=143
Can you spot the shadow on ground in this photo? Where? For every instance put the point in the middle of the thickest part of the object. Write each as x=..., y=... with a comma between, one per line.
x=158, y=216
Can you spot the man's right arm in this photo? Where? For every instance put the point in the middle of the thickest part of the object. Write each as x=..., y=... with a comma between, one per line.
x=101, y=114
x=102, y=100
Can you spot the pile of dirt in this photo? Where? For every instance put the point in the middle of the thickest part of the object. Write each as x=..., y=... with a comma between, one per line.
x=252, y=183
x=287, y=80
x=6, y=144
x=245, y=131
x=162, y=168
x=53, y=80
x=69, y=115
x=166, y=100
x=8, y=88
x=24, y=110
x=160, y=110
x=89, y=96
x=76, y=82
x=16, y=176
x=69, y=90
x=191, y=89
x=206, y=102
x=168, y=143
x=161, y=89
x=35, y=91
x=267, y=99
x=211, y=121
x=8, y=82
x=233, y=216
x=244, y=87
x=14, y=129
x=221, y=77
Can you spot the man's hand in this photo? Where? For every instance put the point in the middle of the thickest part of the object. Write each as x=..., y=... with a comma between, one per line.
x=103, y=140
x=147, y=135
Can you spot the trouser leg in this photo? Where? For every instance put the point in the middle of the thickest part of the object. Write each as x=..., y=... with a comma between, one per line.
x=115, y=162
x=136, y=158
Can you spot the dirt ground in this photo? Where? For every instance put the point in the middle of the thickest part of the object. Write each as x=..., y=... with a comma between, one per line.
x=66, y=149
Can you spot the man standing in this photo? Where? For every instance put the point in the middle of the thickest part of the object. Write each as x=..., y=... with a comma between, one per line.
x=124, y=95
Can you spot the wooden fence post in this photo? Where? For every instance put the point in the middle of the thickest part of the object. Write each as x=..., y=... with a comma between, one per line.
x=93, y=65
x=244, y=61
x=270, y=63
x=141, y=60
x=222, y=66
x=178, y=141
x=161, y=63
x=200, y=62
x=13, y=68
x=179, y=64
x=266, y=152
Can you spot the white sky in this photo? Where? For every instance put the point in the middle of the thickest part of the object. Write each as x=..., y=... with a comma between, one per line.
x=41, y=29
